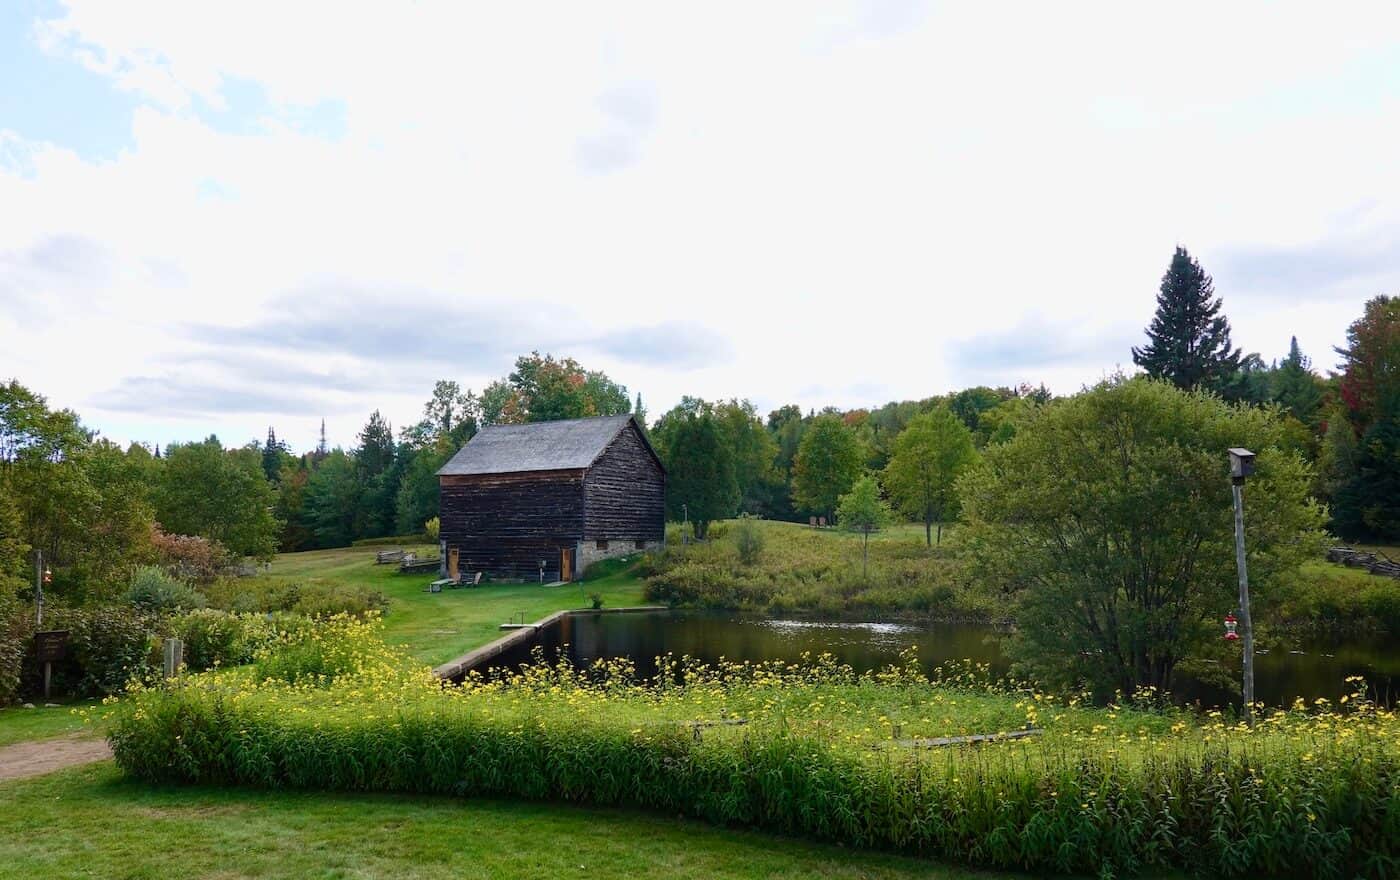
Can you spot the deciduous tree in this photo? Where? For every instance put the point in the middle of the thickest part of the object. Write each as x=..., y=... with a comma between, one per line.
x=542, y=389
x=1109, y=517
x=208, y=491
x=863, y=510
x=828, y=462
x=929, y=455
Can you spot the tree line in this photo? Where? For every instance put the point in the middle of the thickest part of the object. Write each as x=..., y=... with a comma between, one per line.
x=90, y=505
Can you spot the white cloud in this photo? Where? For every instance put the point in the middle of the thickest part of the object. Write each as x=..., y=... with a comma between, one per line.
x=843, y=196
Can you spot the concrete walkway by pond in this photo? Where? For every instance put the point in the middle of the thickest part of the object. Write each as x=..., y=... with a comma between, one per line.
x=25, y=759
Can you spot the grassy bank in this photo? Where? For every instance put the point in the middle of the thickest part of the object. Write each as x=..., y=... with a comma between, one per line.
x=93, y=823
x=1327, y=596
x=821, y=753
x=435, y=627
x=819, y=571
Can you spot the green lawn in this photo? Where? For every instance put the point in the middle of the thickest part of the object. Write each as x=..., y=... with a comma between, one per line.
x=89, y=822
x=18, y=724
x=437, y=627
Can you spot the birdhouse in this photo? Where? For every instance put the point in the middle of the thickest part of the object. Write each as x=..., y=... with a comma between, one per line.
x=1230, y=624
x=1241, y=463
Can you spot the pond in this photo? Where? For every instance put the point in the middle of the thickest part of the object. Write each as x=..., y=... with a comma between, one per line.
x=1309, y=667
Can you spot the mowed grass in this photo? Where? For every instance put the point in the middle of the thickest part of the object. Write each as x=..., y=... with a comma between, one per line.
x=436, y=627
x=90, y=822
x=18, y=724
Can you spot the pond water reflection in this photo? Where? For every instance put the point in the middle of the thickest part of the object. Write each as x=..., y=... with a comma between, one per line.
x=1309, y=668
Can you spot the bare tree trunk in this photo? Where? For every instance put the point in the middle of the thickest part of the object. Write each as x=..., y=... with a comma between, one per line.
x=940, y=533
x=928, y=531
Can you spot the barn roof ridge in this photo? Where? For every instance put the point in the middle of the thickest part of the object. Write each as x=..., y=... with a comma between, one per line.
x=562, y=444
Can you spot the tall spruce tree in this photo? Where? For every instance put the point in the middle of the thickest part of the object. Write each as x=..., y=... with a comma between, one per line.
x=272, y=456
x=1296, y=387
x=1188, y=340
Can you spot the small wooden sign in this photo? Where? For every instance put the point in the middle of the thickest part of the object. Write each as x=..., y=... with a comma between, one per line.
x=51, y=645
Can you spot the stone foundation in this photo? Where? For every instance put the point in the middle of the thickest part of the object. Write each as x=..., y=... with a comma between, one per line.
x=589, y=552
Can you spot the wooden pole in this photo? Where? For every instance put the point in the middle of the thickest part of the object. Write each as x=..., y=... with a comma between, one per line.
x=39, y=589
x=1245, y=623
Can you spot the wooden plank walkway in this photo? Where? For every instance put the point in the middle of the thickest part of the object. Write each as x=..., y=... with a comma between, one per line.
x=944, y=741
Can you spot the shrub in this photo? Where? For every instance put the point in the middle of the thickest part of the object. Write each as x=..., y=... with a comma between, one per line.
x=312, y=598
x=749, y=541
x=191, y=557
x=432, y=528
x=222, y=638
x=11, y=658
x=154, y=590
x=678, y=534
x=108, y=646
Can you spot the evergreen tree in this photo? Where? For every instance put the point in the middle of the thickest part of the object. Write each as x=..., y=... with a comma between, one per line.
x=272, y=453
x=1188, y=340
x=1296, y=387
x=640, y=413
x=700, y=481
x=1366, y=501
x=378, y=470
x=332, y=501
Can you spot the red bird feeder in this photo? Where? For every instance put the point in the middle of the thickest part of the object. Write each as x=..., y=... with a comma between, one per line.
x=1230, y=624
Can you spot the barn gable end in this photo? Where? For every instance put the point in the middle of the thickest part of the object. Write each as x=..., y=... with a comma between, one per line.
x=625, y=492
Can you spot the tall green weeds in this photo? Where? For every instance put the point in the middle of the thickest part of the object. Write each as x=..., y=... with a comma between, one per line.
x=810, y=749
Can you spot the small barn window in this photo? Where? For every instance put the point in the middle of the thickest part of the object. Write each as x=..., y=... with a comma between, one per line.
x=602, y=545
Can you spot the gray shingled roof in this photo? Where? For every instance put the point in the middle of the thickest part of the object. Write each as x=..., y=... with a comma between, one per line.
x=538, y=446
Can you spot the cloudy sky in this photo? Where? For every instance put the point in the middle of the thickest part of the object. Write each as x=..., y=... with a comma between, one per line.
x=219, y=217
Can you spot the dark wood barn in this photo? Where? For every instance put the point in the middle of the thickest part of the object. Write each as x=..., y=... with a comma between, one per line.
x=559, y=494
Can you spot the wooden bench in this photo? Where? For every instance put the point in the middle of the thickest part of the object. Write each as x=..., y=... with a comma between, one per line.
x=437, y=585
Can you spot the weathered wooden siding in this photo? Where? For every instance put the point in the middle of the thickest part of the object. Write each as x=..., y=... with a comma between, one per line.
x=505, y=524
x=625, y=492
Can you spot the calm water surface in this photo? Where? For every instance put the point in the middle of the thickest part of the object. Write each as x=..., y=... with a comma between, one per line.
x=1309, y=668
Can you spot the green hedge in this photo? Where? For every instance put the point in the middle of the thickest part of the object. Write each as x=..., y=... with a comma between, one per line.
x=392, y=541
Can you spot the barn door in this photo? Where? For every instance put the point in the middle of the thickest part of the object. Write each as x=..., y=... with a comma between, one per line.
x=566, y=564
x=452, y=561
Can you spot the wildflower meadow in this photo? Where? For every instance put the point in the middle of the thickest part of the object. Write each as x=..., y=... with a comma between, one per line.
x=809, y=749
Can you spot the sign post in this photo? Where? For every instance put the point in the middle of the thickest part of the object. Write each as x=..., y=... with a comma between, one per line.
x=174, y=657
x=50, y=646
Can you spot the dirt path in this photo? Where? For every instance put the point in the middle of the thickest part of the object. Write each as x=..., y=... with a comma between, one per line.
x=36, y=758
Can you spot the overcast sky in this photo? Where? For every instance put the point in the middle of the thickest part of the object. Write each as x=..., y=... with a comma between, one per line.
x=216, y=218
